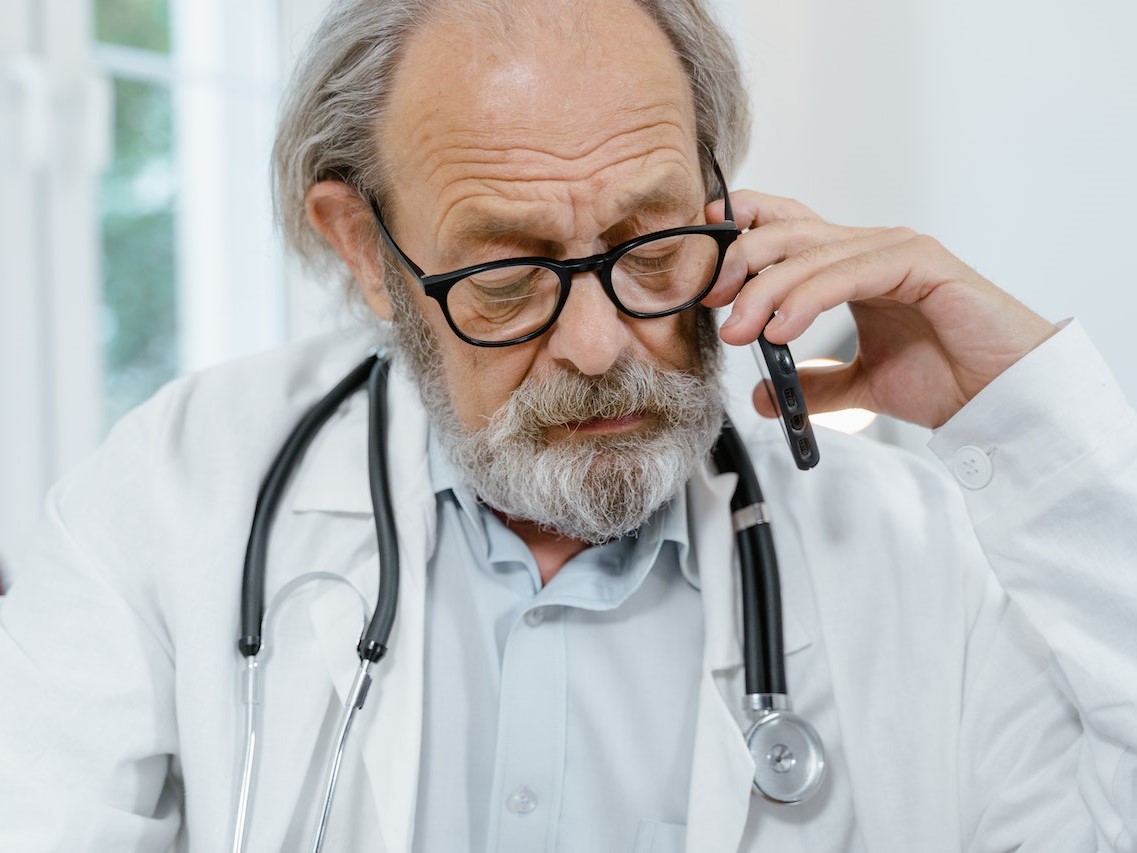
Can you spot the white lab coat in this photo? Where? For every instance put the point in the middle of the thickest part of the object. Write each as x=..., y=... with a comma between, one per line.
x=953, y=716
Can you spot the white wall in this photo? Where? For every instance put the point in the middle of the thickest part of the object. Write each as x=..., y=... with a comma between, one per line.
x=1005, y=128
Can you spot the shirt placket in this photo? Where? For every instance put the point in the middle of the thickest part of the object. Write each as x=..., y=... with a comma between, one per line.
x=525, y=797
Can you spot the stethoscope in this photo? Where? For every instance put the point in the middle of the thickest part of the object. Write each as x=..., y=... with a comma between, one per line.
x=789, y=758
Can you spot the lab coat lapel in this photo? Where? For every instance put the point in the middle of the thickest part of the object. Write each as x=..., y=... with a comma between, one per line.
x=388, y=730
x=722, y=768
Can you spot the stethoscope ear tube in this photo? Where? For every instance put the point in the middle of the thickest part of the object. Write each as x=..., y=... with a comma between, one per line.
x=269, y=496
x=373, y=644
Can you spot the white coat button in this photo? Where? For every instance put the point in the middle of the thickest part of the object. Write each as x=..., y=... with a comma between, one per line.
x=534, y=617
x=972, y=466
x=522, y=801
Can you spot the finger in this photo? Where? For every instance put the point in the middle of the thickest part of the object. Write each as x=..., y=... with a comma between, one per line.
x=834, y=387
x=775, y=288
x=770, y=244
x=752, y=209
x=763, y=398
x=906, y=271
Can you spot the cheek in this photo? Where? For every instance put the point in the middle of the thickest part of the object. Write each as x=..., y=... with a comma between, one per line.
x=671, y=341
x=481, y=379
x=477, y=379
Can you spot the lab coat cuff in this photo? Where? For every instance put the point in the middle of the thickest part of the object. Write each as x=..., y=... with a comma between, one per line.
x=1048, y=411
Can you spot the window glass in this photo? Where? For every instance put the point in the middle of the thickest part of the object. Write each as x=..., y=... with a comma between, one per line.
x=143, y=24
x=139, y=277
x=137, y=205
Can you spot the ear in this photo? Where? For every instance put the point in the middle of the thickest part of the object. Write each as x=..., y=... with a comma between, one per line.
x=345, y=220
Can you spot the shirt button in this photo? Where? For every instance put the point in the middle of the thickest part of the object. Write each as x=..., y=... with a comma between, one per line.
x=522, y=801
x=534, y=617
x=972, y=466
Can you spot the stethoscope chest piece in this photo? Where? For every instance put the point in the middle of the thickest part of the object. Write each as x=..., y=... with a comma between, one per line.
x=789, y=759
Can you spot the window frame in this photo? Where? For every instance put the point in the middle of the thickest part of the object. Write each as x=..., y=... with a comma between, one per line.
x=55, y=108
x=56, y=114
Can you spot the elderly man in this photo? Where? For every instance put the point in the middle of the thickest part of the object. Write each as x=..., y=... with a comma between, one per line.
x=565, y=670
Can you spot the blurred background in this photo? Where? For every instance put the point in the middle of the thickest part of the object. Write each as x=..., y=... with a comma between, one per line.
x=136, y=240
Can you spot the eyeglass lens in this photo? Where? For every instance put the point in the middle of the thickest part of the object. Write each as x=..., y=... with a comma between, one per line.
x=652, y=277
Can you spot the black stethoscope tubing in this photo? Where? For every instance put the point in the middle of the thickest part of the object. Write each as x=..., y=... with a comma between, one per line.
x=763, y=658
x=764, y=661
x=761, y=593
x=373, y=643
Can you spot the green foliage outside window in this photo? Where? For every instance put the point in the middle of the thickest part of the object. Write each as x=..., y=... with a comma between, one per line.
x=139, y=274
x=137, y=210
x=143, y=24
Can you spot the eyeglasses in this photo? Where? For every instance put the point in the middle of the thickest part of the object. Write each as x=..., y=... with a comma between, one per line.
x=511, y=301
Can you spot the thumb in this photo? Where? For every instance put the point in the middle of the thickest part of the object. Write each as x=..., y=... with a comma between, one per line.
x=824, y=388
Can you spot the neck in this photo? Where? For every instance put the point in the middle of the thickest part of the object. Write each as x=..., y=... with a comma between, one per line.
x=551, y=550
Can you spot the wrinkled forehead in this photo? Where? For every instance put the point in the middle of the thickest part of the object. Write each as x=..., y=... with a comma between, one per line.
x=534, y=79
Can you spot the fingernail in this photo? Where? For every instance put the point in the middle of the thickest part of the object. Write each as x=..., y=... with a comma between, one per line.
x=732, y=320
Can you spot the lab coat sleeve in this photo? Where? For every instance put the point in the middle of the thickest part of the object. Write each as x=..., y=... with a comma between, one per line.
x=87, y=723
x=1047, y=460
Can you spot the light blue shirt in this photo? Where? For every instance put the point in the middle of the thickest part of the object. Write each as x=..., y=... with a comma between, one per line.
x=556, y=718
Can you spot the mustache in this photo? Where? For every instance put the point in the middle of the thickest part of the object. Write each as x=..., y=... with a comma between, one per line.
x=628, y=388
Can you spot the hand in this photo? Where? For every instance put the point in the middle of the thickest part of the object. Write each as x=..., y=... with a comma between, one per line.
x=932, y=332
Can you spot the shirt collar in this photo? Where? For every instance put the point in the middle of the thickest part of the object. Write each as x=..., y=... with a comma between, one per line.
x=604, y=577
x=445, y=478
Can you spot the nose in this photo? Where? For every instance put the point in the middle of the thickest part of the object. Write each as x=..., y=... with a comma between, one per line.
x=590, y=333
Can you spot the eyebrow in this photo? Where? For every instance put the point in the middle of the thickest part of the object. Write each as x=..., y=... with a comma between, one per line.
x=672, y=194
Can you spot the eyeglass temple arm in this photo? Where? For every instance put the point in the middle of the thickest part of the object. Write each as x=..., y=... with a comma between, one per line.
x=411, y=265
x=728, y=211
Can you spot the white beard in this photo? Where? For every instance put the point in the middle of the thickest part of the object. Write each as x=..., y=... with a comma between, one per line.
x=590, y=488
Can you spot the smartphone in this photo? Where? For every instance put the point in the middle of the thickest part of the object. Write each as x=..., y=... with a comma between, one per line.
x=777, y=366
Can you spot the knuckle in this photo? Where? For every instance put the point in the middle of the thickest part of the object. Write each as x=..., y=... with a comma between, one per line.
x=927, y=245
x=902, y=233
x=799, y=210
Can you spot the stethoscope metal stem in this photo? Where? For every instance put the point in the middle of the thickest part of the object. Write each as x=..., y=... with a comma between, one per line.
x=762, y=703
x=353, y=703
x=252, y=700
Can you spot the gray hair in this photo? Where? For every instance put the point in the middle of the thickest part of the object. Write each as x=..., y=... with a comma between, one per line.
x=340, y=90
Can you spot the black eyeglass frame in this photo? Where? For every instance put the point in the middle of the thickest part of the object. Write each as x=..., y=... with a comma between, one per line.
x=438, y=286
